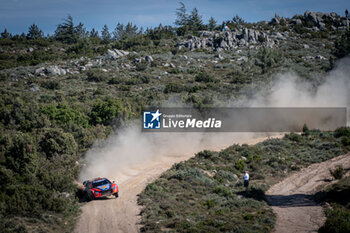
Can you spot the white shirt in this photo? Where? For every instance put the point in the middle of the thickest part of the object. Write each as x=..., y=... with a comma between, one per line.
x=246, y=176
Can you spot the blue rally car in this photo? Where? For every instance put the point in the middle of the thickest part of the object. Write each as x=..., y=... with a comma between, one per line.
x=100, y=187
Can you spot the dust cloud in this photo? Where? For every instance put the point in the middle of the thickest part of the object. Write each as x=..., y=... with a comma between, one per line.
x=287, y=90
x=121, y=154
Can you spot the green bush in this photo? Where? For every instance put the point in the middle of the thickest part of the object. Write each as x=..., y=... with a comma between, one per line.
x=338, y=172
x=55, y=142
x=338, y=221
x=342, y=131
x=103, y=112
x=96, y=76
x=51, y=84
x=174, y=88
x=204, y=77
x=63, y=114
x=240, y=165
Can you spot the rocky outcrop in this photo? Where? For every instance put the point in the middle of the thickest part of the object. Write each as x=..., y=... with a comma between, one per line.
x=50, y=70
x=314, y=21
x=115, y=54
x=229, y=39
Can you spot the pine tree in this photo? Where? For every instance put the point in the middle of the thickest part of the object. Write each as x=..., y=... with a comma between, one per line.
x=195, y=20
x=119, y=31
x=66, y=32
x=211, y=24
x=34, y=32
x=181, y=15
x=123, y=32
x=106, y=36
x=80, y=31
x=5, y=34
x=93, y=33
x=131, y=30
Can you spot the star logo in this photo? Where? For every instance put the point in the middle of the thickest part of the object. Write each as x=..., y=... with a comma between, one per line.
x=152, y=120
x=156, y=115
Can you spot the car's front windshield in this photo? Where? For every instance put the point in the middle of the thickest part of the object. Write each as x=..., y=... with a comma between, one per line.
x=99, y=183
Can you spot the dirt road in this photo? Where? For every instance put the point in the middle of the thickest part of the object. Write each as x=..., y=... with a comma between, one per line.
x=122, y=214
x=292, y=199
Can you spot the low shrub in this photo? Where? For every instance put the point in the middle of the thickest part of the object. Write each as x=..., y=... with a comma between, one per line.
x=338, y=172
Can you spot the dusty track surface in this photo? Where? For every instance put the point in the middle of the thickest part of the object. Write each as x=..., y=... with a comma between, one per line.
x=122, y=214
x=292, y=199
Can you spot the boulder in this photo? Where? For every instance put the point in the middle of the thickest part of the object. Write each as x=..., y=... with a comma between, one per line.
x=149, y=58
x=40, y=71
x=55, y=70
x=111, y=55
x=34, y=88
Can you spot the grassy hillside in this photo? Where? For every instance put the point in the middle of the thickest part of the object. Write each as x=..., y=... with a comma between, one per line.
x=206, y=193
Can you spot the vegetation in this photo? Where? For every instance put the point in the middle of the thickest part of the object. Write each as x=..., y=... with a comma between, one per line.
x=206, y=193
x=338, y=216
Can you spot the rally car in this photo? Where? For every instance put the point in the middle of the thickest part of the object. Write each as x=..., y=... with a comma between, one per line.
x=100, y=187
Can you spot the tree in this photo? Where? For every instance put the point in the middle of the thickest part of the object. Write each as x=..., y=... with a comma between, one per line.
x=118, y=31
x=66, y=32
x=238, y=20
x=211, y=24
x=195, y=20
x=93, y=33
x=34, y=32
x=123, y=32
x=131, y=30
x=181, y=16
x=5, y=34
x=106, y=36
x=80, y=31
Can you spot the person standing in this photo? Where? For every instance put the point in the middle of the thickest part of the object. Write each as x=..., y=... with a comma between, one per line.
x=246, y=180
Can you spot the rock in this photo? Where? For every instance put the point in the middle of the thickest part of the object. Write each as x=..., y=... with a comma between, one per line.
x=244, y=58
x=242, y=42
x=172, y=65
x=220, y=56
x=305, y=46
x=138, y=60
x=119, y=53
x=40, y=71
x=309, y=58
x=127, y=66
x=125, y=53
x=297, y=21
x=111, y=55
x=320, y=57
x=276, y=19
x=149, y=58
x=55, y=70
x=278, y=35
x=166, y=65
x=34, y=88
x=89, y=65
x=225, y=40
x=30, y=50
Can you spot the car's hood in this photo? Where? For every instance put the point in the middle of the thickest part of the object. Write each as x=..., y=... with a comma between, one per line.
x=103, y=187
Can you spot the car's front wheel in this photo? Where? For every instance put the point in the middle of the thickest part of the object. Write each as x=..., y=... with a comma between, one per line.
x=89, y=196
x=116, y=194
